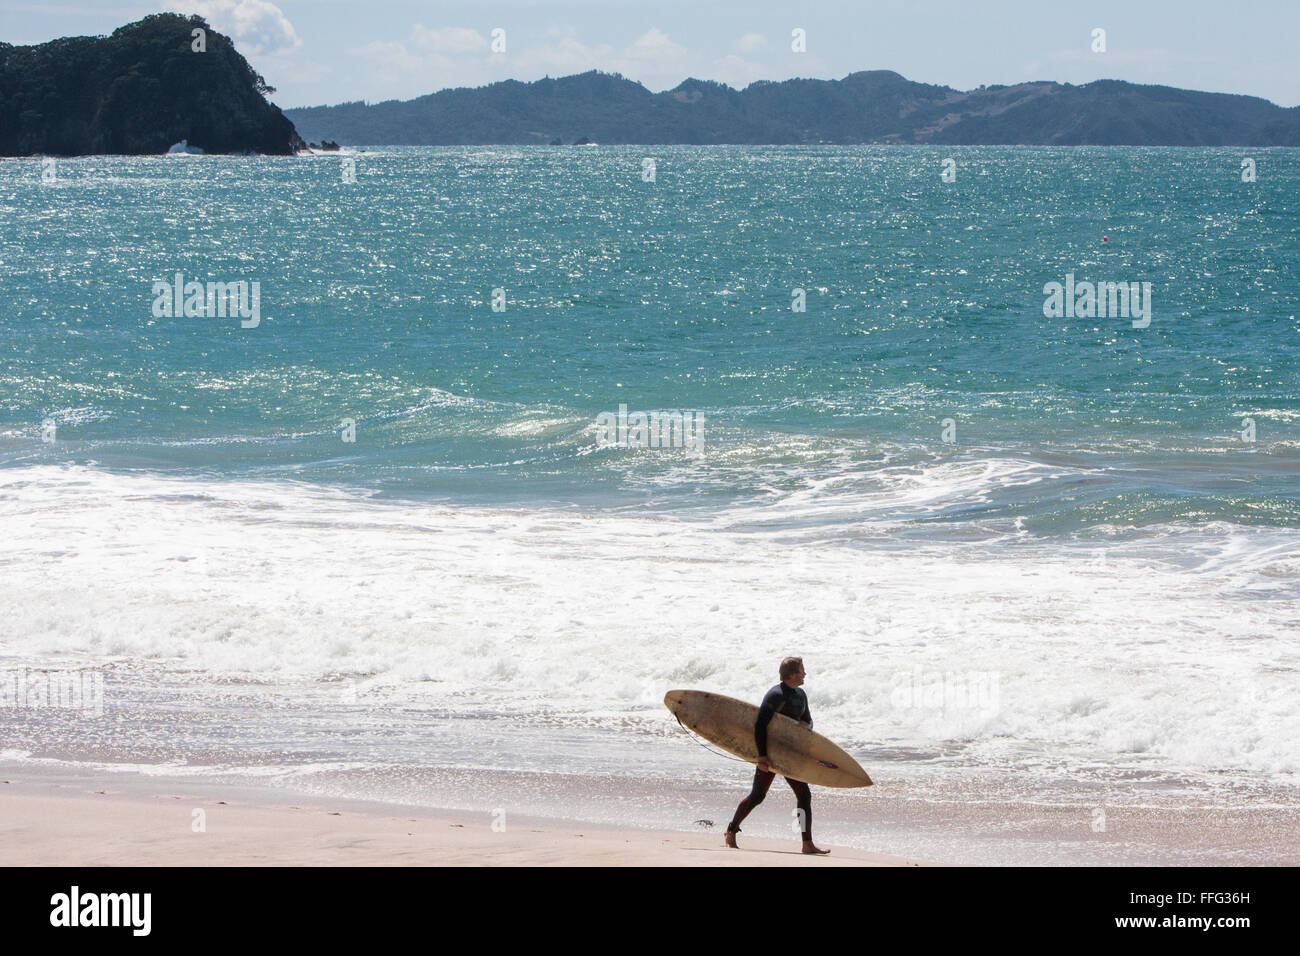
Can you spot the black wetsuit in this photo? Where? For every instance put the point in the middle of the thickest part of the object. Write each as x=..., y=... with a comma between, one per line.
x=792, y=702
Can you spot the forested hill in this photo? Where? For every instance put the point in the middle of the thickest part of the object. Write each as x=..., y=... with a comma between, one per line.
x=140, y=90
x=867, y=107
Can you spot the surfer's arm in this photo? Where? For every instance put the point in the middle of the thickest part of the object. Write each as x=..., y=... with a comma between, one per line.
x=760, y=730
x=766, y=711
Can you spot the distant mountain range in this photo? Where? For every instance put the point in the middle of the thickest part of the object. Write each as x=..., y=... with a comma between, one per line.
x=140, y=90
x=868, y=107
x=146, y=87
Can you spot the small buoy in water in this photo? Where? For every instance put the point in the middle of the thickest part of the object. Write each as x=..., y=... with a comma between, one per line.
x=1105, y=238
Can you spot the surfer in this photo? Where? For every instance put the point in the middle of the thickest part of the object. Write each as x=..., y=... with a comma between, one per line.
x=785, y=698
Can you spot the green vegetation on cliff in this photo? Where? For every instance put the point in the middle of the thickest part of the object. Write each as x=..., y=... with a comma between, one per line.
x=138, y=91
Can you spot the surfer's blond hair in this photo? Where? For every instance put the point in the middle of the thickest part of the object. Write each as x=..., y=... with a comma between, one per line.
x=791, y=665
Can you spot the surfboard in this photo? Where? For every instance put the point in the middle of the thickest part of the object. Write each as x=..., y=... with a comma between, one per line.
x=793, y=750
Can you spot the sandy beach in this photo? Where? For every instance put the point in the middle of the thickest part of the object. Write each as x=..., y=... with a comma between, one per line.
x=62, y=824
x=58, y=813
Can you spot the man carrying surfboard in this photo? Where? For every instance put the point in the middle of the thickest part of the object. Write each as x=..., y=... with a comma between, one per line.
x=786, y=698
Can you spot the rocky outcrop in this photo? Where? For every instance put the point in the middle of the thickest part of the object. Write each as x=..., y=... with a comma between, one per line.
x=141, y=90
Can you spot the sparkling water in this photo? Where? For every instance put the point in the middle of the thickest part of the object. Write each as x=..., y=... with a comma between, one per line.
x=1000, y=537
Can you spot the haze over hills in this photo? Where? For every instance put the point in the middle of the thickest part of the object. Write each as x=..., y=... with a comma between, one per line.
x=866, y=107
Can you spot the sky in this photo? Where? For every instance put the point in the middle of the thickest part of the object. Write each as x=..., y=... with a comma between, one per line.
x=319, y=52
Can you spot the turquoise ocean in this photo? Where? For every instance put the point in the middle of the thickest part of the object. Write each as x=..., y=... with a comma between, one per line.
x=1063, y=545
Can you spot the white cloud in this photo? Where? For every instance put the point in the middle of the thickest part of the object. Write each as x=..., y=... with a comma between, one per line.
x=561, y=53
x=449, y=40
x=655, y=43
x=257, y=26
x=427, y=60
x=737, y=72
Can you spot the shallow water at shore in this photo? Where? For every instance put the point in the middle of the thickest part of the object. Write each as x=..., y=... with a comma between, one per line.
x=636, y=771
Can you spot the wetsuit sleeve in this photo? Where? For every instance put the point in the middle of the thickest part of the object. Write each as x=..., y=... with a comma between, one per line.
x=807, y=713
x=766, y=711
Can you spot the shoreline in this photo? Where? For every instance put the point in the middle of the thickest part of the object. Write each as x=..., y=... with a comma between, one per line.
x=74, y=814
x=153, y=822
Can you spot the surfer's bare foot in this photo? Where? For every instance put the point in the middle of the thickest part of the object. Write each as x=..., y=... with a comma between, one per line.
x=731, y=839
x=810, y=847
